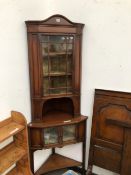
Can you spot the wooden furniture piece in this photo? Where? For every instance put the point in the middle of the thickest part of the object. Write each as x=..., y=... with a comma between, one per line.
x=111, y=132
x=17, y=151
x=55, y=66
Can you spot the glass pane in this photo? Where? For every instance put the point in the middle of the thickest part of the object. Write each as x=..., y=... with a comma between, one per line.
x=46, y=82
x=50, y=136
x=69, y=48
x=69, y=64
x=58, y=91
x=57, y=55
x=44, y=38
x=70, y=39
x=58, y=64
x=46, y=92
x=57, y=49
x=56, y=82
x=62, y=64
x=57, y=39
x=69, y=81
x=69, y=132
x=69, y=90
x=46, y=85
x=44, y=49
x=45, y=66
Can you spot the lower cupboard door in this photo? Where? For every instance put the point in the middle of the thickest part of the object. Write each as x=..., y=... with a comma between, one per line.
x=69, y=133
x=50, y=136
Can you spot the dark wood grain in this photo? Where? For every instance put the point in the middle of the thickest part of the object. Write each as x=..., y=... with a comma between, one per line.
x=50, y=109
x=110, y=138
x=55, y=162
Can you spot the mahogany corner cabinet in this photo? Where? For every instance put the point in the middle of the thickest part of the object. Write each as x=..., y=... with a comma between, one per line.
x=54, y=48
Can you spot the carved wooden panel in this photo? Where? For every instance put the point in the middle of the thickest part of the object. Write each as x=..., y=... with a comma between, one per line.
x=110, y=141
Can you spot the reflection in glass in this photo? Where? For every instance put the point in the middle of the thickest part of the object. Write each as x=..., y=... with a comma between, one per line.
x=50, y=136
x=69, y=132
x=70, y=39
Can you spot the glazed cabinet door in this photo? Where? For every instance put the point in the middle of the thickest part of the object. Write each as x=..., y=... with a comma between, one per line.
x=69, y=133
x=51, y=136
x=59, y=136
x=57, y=52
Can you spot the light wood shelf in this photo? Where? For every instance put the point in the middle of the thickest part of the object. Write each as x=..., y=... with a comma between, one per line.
x=15, y=153
x=15, y=171
x=55, y=162
x=12, y=153
x=11, y=128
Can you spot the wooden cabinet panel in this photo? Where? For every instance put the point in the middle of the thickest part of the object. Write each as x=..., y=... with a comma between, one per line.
x=81, y=131
x=110, y=159
x=110, y=138
x=34, y=65
x=35, y=138
x=111, y=132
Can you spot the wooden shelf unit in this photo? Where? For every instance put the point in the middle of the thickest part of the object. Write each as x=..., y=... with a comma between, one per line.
x=17, y=151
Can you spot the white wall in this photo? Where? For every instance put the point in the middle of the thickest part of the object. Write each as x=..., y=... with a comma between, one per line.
x=106, y=53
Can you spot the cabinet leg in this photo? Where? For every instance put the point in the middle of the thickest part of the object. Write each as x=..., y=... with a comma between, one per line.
x=32, y=160
x=84, y=153
x=83, y=158
x=53, y=150
x=89, y=170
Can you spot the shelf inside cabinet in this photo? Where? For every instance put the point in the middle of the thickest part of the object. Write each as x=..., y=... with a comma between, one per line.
x=57, y=53
x=50, y=123
x=9, y=128
x=10, y=155
x=58, y=116
x=55, y=162
x=55, y=74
